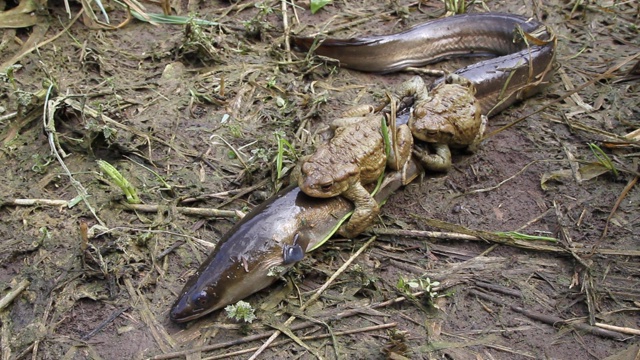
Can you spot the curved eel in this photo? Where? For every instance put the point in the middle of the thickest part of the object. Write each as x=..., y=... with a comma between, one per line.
x=281, y=230
x=525, y=50
x=289, y=222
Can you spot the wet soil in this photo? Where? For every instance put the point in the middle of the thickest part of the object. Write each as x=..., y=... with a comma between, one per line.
x=191, y=116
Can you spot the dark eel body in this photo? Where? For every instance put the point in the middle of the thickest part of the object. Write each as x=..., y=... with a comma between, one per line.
x=523, y=62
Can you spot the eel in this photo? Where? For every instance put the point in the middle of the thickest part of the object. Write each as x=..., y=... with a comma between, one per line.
x=273, y=236
x=523, y=50
x=281, y=230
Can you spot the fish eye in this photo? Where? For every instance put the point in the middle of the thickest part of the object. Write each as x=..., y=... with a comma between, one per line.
x=201, y=298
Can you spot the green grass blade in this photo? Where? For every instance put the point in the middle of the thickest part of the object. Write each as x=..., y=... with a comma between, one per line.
x=126, y=187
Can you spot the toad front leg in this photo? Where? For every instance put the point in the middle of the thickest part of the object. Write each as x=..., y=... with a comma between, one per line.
x=448, y=116
x=366, y=209
x=439, y=160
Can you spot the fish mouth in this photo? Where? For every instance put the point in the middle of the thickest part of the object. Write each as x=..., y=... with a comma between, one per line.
x=178, y=319
x=175, y=316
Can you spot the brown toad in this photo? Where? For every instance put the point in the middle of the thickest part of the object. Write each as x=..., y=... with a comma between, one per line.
x=357, y=155
x=447, y=116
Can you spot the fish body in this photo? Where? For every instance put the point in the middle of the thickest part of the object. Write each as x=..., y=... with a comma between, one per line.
x=522, y=51
x=482, y=34
x=276, y=233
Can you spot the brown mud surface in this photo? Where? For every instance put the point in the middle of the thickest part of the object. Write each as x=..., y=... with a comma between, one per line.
x=191, y=118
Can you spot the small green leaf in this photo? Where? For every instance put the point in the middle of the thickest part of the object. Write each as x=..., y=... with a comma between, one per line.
x=603, y=158
x=73, y=202
x=385, y=136
x=318, y=4
x=283, y=146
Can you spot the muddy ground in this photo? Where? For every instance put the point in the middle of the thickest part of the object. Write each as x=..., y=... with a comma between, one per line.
x=191, y=119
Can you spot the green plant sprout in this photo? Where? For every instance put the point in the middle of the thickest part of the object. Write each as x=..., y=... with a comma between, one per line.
x=129, y=191
x=424, y=284
x=603, y=158
x=241, y=311
x=316, y=5
x=283, y=146
x=455, y=6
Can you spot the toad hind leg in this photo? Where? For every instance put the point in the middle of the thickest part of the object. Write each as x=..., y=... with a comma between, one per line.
x=366, y=209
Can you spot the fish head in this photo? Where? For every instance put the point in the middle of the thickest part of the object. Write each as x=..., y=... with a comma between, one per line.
x=249, y=258
x=226, y=282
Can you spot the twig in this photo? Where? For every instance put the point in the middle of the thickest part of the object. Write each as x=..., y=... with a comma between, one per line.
x=499, y=288
x=204, y=243
x=158, y=332
x=8, y=298
x=501, y=182
x=16, y=58
x=550, y=319
x=575, y=96
x=360, y=20
x=106, y=322
x=35, y=202
x=184, y=210
x=566, y=236
x=237, y=152
x=243, y=192
x=309, y=337
x=8, y=116
x=135, y=207
x=304, y=325
x=234, y=193
x=623, y=194
x=490, y=237
x=423, y=233
x=624, y=330
x=331, y=334
x=5, y=335
x=286, y=30
x=315, y=296
x=170, y=249
x=48, y=119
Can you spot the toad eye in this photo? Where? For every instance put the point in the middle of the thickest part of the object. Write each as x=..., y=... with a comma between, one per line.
x=418, y=113
x=306, y=168
x=326, y=186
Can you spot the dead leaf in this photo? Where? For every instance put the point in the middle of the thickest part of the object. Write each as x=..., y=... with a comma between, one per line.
x=499, y=214
x=593, y=170
x=558, y=175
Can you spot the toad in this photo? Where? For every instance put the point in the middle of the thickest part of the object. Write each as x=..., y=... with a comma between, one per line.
x=357, y=155
x=447, y=116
